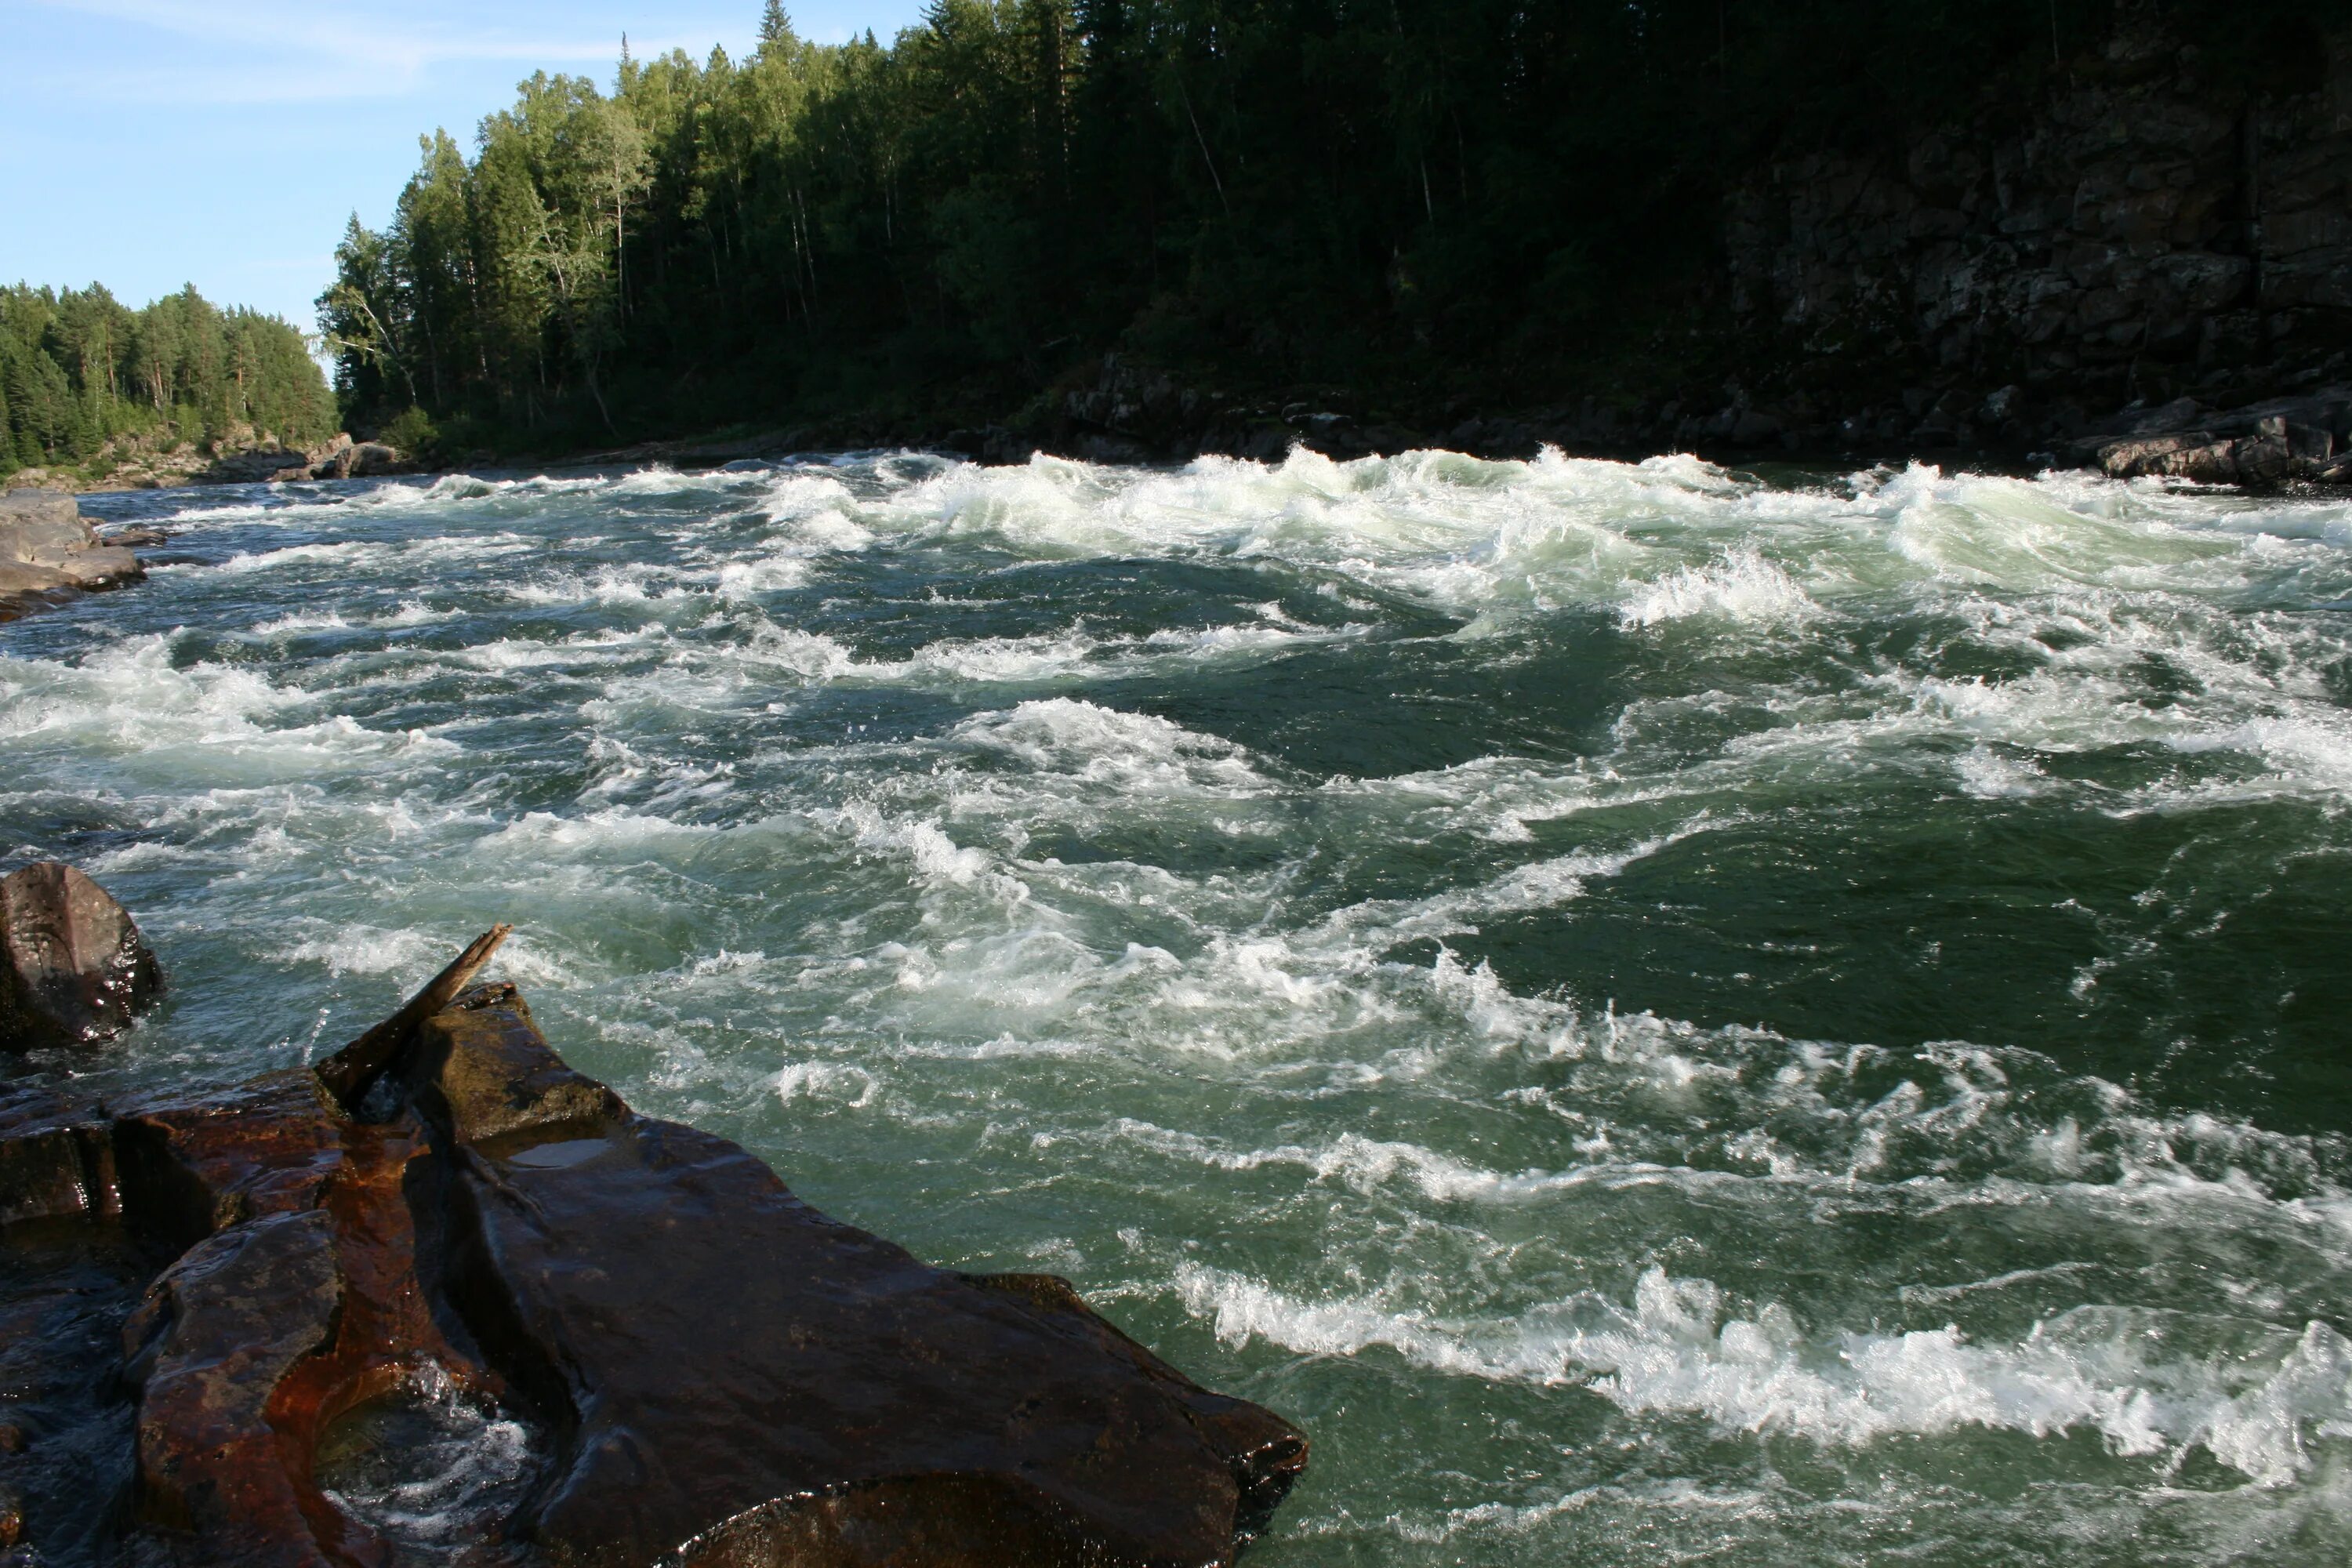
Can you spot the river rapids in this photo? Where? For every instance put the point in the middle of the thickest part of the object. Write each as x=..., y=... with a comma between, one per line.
x=1662, y=1014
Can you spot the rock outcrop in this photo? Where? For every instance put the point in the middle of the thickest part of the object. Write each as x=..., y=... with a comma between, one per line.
x=2284, y=440
x=50, y=553
x=73, y=967
x=335, y=459
x=680, y=1362
x=143, y=462
x=339, y=459
x=2149, y=230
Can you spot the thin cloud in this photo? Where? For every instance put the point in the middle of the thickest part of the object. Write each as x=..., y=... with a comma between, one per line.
x=263, y=54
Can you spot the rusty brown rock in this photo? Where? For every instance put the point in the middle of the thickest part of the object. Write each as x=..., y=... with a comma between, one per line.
x=718, y=1376
x=737, y=1372
x=73, y=967
x=218, y=1334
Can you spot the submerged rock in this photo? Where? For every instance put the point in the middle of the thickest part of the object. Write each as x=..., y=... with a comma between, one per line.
x=447, y=1229
x=73, y=967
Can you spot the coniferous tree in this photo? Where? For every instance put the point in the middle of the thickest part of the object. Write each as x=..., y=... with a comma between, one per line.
x=78, y=370
x=1421, y=193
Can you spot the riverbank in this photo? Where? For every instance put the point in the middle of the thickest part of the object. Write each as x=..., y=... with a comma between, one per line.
x=1135, y=414
x=135, y=465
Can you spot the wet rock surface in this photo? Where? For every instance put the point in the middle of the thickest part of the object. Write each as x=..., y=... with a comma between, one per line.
x=447, y=1299
x=73, y=967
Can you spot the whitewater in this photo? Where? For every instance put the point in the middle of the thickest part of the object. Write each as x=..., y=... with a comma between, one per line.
x=1661, y=1014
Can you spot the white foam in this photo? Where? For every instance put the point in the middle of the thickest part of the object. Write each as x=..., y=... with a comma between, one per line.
x=368, y=950
x=842, y=1083
x=203, y=725
x=1743, y=586
x=1131, y=751
x=1677, y=1349
x=1363, y=1163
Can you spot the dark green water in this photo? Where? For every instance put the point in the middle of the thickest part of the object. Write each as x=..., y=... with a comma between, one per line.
x=1664, y=1019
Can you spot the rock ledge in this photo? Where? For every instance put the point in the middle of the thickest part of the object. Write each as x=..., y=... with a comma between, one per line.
x=48, y=553
x=706, y=1372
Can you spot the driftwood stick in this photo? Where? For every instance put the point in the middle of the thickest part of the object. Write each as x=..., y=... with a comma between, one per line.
x=349, y=1071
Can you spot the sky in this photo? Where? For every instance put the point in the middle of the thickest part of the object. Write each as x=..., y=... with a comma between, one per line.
x=146, y=144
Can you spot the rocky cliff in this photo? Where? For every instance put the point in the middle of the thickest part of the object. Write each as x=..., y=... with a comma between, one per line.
x=2145, y=267
x=2152, y=230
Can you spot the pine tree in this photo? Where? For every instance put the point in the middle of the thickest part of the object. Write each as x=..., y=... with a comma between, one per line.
x=1433, y=196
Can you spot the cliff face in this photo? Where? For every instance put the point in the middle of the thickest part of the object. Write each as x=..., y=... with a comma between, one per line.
x=2148, y=232
x=2146, y=269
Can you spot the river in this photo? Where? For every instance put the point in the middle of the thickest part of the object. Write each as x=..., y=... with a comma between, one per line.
x=1662, y=1014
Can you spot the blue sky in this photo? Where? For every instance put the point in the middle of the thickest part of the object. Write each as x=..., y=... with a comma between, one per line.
x=149, y=144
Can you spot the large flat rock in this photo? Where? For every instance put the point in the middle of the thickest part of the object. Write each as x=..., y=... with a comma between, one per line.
x=704, y=1371
x=48, y=550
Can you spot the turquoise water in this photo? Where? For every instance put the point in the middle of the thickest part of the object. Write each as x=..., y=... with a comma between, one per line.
x=1664, y=1018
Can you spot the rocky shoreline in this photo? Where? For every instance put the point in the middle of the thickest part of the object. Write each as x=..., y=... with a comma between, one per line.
x=1134, y=413
x=263, y=461
x=1131, y=413
x=227, y=1316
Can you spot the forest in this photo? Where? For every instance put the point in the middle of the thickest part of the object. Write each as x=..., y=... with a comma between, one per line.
x=1405, y=198
x=80, y=371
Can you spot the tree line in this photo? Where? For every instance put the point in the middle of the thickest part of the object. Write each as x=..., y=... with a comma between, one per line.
x=78, y=370
x=1408, y=197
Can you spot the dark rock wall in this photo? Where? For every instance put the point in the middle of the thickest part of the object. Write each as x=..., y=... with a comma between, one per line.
x=2148, y=232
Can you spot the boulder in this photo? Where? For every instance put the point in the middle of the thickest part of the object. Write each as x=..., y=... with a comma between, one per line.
x=2263, y=445
x=73, y=967
x=332, y=460
x=694, y=1367
x=373, y=460
x=47, y=551
x=41, y=526
x=101, y=566
x=2189, y=455
x=23, y=577
x=255, y=466
x=57, y=1160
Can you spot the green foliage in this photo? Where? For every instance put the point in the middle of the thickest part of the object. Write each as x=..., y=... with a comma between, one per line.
x=78, y=369
x=1433, y=195
x=412, y=432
